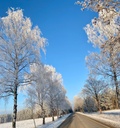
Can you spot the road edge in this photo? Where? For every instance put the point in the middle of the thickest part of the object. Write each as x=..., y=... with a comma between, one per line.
x=65, y=120
x=103, y=121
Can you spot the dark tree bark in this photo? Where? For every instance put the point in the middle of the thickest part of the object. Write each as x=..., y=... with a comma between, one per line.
x=43, y=115
x=33, y=118
x=117, y=90
x=16, y=83
x=43, y=120
x=15, y=108
x=52, y=115
x=98, y=102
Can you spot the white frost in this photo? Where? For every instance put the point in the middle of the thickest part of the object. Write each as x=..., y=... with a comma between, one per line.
x=111, y=117
x=30, y=124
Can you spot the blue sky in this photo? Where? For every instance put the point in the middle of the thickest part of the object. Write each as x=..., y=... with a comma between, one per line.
x=61, y=22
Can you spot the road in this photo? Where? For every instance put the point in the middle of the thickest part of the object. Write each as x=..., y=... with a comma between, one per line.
x=80, y=121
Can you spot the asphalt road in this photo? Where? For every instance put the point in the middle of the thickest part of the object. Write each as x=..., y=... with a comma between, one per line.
x=80, y=121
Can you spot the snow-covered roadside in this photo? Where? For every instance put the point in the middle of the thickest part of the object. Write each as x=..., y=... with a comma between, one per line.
x=115, y=111
x=30, y=124
x=27, y=123
x=108, y=115
x=113, y=115
x=106, y=121
x=54, y=124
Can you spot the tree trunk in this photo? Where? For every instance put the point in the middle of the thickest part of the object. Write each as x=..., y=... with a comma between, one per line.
x=43, y=114
x=57, y=113
x=34, y=123
x=15, y=93
x=33, y=118
x=15, y=108
x=98, y=102
x=117, y=90
x=115, y=80
x=52, y=116
x=99, y=108
x=44, y=120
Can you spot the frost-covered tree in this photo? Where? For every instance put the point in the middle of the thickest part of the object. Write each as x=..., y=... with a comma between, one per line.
x=39, y=87
x=100, y=64
x=24, y=114
x=66, y=107
x=56, y=91
x=100, y=5
x=47, y=89
x=89, y=104
x=104, y=32
x=105, y=66
x=94, y=88
x=107, y=100
x=78, y=103
x=30, y=103
x=20, y=46
x=107, y=38
x=59, y=101
x=107, y=24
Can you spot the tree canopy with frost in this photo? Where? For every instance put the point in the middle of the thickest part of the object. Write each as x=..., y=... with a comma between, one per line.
x=98, y=5
x=107, y=38
x=104, y=32
x=78, y=103
x=56, y=93
x=106, y=27
x=47, y=89
x=20, y=46
x=94, y=88
x=102, y=65
x=38, y=87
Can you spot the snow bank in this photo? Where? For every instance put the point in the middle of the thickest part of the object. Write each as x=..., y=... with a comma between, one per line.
x=26, y=123
x=30, y=124
x=113, y=115
x=110, y=120
x=115, y=118
x=54, y=124
x=115, y=111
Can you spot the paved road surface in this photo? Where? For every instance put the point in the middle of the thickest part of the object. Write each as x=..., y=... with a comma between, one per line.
x=80, y=121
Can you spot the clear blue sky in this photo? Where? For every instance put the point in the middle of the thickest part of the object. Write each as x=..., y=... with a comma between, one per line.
x=61, y=22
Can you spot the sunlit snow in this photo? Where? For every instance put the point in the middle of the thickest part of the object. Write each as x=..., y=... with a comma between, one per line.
x=30, y=124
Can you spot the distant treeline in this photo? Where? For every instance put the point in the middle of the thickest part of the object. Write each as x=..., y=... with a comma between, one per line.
x=21, y=115
x=25, y=114
x=5, y=118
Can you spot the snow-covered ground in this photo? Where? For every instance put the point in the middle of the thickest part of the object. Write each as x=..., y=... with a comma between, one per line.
x=30, y=124
x=111, y=117
x=56, y=123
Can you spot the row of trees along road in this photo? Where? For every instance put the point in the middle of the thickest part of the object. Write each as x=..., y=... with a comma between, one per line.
x=87, y=103
x=104, y=33
x=20, y=46
x=46, y=91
